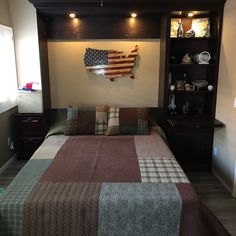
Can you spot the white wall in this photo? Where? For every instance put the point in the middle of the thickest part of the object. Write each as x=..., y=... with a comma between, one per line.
x=71, y=84
x=225, y=139
x=23, y=16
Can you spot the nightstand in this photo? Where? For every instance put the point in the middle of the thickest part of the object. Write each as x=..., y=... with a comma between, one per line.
x=31, y=129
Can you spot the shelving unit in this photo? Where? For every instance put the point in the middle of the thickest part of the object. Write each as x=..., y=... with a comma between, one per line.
x=190, y=131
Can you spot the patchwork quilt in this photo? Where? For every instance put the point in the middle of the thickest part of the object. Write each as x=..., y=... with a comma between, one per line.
x=104, y=185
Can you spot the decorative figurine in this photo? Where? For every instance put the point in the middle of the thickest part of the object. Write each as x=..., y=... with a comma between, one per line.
x=180, y=84
x=186, y=108
x=172, y=105
x=187, y=59
x=180, y=30
x=190, y=33
x=187, y=87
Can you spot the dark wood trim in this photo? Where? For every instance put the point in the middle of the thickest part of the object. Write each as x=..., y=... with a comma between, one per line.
x=43, y=51
x=115, y=27
x=122, y=7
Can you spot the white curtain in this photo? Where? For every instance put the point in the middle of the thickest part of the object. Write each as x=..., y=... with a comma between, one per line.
x=8, y=77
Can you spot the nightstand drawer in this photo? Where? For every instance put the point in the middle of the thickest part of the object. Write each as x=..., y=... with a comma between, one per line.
x=30, y=126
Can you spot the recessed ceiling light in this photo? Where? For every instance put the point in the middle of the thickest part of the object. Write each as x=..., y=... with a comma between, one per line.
x=72, y=15
x=133, y=14
x=190, y=14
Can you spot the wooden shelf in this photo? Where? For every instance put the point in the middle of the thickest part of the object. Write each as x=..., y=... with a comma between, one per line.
x=194, y=122
x=192, y=65
x=193, y=39
x=183, y=92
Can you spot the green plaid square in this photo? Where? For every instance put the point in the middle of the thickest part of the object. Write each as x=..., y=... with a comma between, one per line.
x=1, y=190
x=12, y=207
x=113, y=112
x=101, y=127
x=71, y=127
x=143, y=127
x=72, y=113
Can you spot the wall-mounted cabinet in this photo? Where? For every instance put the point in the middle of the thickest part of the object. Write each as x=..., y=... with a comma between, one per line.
x=189, y=84
x=187, y=107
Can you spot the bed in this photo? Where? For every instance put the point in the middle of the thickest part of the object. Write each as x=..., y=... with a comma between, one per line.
x=126, y=185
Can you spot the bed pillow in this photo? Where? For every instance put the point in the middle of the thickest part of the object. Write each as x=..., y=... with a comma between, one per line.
x=86, y=122
x=122, y=121
x=101, y=120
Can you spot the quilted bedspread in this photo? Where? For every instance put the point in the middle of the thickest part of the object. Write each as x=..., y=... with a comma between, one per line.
x=105, y=186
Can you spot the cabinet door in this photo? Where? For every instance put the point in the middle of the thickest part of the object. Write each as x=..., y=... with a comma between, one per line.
x=192, y=148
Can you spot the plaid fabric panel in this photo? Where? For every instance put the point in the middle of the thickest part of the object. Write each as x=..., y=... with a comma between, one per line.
x=161, y=171
x=101, y=127
x=113, y=121
x=12, y=207
x=143, y=127
x=101, y=120
x=71, y=127
x=72, y=113
x=113, y=112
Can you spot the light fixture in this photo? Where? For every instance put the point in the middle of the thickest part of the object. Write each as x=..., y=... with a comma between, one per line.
x=190, y=14
x=234, y=102
x=133, y=14
x=72, y=15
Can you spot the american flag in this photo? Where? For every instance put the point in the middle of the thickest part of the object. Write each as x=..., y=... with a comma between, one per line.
x=110, y=63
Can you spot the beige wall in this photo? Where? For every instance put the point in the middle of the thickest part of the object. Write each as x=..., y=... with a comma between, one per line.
x=225, y=139
x=4, y=13
x=71, y=84
x=23, y=16
x=6, y=122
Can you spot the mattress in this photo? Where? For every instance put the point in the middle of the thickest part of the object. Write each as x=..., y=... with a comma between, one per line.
x=106, y=186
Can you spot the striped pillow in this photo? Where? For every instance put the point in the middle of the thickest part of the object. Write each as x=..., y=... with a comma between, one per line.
x=86, y=122
x=122, y=121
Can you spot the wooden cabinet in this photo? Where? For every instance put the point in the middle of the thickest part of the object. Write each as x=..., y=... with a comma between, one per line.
x=189, y=114
x=30, y=132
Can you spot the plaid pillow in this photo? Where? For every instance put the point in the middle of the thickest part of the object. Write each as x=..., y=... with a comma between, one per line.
x=72, y=113
x=101, y=120
x=127, y=121
x=86, y=122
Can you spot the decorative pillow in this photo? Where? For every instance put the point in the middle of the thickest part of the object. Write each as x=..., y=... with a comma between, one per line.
x=127, y=121
x=86, y=122
x=101, y=120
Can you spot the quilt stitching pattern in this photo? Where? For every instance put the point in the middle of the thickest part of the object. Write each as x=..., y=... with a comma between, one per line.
x=12, y=207
x=161, y=171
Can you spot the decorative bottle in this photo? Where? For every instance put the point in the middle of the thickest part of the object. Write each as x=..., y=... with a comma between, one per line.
x=180, y=30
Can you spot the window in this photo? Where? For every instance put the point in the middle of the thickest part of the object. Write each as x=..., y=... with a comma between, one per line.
x=8, y=78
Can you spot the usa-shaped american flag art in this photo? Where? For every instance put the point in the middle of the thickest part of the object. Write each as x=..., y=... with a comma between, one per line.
x=110, y=63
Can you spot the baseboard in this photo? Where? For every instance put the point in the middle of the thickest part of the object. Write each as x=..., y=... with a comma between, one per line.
x=8, y=163
x=223, y=182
